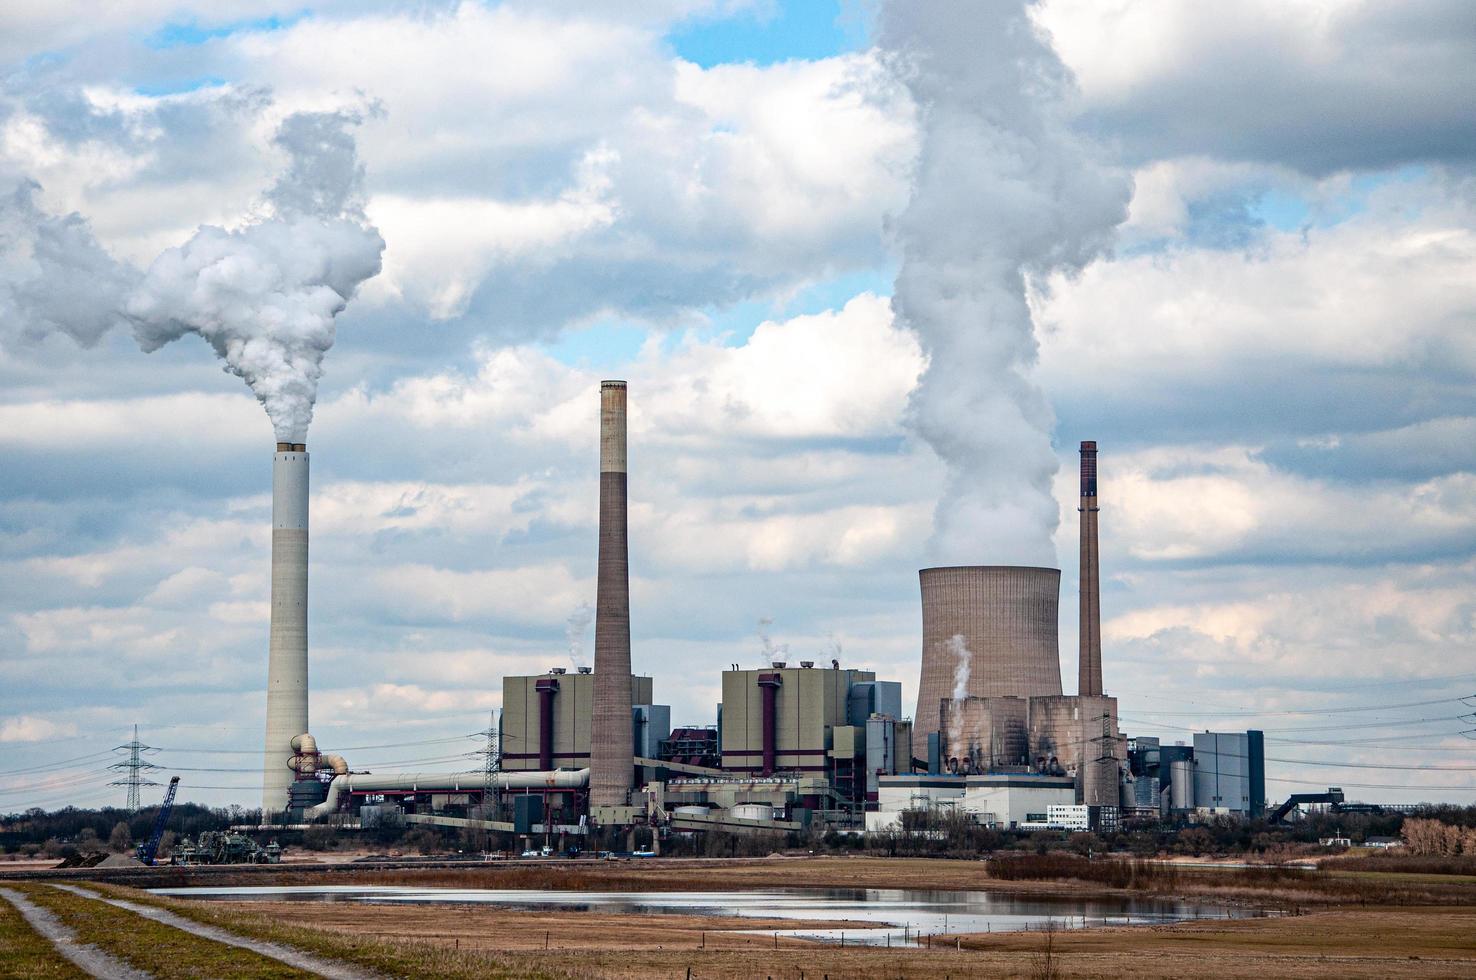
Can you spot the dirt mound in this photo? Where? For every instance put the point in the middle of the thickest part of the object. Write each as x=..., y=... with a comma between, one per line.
x=120, y=861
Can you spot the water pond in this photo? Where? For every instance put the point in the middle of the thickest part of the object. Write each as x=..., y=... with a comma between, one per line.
x=874, y=916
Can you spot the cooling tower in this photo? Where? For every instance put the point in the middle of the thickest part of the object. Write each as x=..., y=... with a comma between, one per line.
x=1089, y=675
x=1006, y=616
x=287, y=658
x=612, y=749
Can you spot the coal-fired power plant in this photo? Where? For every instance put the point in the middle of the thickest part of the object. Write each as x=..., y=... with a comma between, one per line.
x=1089, y=673
x=989, y=630
x=612, y=751
x=287, y=659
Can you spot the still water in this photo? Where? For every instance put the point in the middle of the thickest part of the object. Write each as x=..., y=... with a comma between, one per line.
x=874, y=916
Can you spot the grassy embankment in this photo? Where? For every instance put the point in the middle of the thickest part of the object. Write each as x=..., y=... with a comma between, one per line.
x=402, y=941
x=160, y=950
x=27, y=955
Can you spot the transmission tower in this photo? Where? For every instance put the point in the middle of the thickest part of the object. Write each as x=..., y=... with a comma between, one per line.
x=135, y=768
x=491, y=754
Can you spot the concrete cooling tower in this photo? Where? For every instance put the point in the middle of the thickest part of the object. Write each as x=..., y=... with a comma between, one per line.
x=1006, y=616
x=287, y=657
x=612, y=748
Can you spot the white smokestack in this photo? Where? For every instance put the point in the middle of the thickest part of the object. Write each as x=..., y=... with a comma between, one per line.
x=287, y=659
x=1004, y=193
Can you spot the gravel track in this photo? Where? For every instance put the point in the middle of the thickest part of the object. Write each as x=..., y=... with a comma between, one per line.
x=284, y=954
x=89, y=959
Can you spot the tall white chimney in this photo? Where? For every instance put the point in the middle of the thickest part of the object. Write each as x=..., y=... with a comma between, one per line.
x=287, y=659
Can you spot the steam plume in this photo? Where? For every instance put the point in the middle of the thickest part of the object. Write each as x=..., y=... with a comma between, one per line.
x=963, y=660
x=575, y=630
x=771, y=651
x=265, y=296
x=1004, y=193
x=54, y=276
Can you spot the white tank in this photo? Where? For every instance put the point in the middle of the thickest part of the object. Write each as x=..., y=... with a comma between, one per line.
x=691, y=810
x=752, y=811
x=1181, y=784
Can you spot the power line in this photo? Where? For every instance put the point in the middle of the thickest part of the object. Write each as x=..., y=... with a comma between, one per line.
x=1249, y=713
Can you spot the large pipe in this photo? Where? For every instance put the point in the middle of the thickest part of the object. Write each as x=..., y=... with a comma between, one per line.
x=612, y=752
x=769, y=689
x=1089, y=672
x=287, y=656
x=547, y=688
x=443, y=782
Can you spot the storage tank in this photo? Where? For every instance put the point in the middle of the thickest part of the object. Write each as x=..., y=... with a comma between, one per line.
x=751, y=811
x=1005, y=619
x=1181, y=784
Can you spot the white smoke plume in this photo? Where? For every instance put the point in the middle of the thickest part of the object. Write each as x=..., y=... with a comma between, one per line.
x=265, y=295
x=962, y=664
x=771, y=651
x=1004, y=193
x=54, y=276
x=575, y=630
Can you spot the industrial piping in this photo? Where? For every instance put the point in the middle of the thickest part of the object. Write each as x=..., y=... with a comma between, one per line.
x=612, y=749
x=1089, y=672
x=287, y=656
x=769, y=689
x=547, y=688
x=442, y=782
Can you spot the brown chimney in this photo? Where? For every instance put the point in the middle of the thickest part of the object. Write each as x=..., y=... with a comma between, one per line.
x=1089, y=677
x=612, y=749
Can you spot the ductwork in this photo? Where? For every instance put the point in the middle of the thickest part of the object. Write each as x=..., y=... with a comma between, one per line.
x=443, y=782
x=287, y=656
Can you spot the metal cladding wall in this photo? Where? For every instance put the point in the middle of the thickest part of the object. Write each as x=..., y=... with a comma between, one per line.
x=287, y=657
x=1089, y=676
x=1007, y=617
x=808, y=704
x=1069, y=727
x=612, y=754
x=573, y=719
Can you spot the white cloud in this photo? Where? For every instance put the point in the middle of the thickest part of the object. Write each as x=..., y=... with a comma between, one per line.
x=29, y=728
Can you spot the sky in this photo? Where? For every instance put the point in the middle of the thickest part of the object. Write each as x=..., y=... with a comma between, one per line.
x=1236, y=247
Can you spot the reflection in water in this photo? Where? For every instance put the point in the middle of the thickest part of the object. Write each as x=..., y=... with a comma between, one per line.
x=881, y=915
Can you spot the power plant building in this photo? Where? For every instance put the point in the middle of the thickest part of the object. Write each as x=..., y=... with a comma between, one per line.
x=548, y=719
x=782, y=719
x=1002, y=619
x=1230, y=772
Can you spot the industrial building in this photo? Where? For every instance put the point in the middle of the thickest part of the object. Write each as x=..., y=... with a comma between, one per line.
x=993, y=738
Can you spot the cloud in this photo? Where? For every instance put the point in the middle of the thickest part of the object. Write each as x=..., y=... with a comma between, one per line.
x=1317, y=86
x=29, y=728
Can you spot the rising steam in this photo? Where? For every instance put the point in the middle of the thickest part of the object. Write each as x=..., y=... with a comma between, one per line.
x=1004, y=193
x=962, y=664
x=771, y=651
x=575, y=630
x=54, y=276
x=265, y=295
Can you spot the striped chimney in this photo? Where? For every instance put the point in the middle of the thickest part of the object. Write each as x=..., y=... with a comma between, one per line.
x=1089, y=678
x=612, y=749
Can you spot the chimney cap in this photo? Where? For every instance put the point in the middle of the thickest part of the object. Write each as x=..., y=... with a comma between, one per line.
x=1089, y=445
x=612, y=384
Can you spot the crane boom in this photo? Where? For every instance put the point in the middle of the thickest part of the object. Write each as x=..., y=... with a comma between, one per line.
x=150, y=847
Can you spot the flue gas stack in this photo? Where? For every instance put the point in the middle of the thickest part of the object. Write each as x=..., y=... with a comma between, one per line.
x=287, y=658
x=1089, y=678
x=612, y=752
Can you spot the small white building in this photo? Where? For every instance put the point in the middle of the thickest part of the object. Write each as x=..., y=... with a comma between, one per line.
x=1003, y=800
x=1073, y=817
